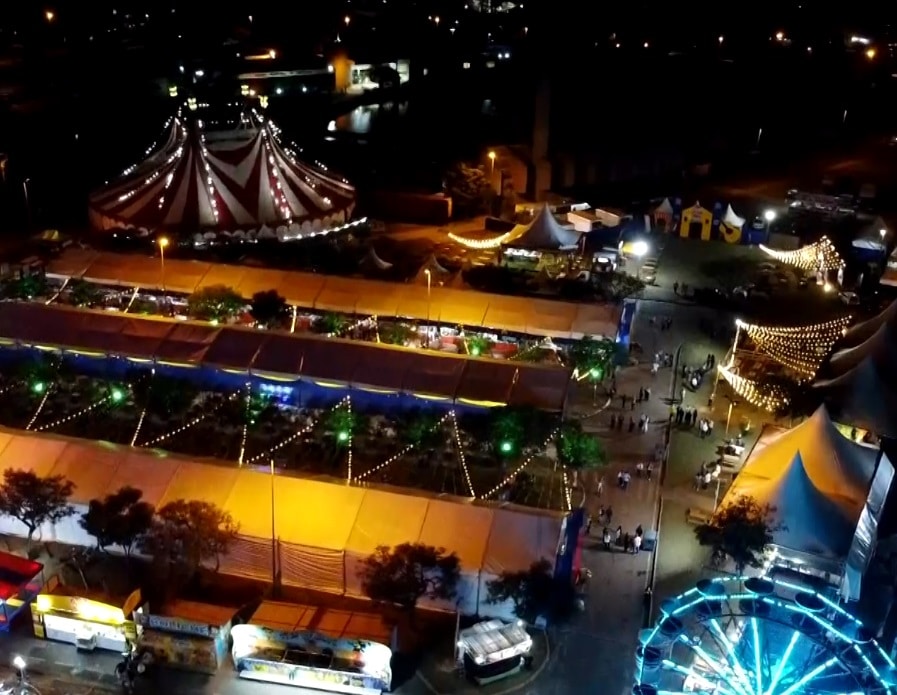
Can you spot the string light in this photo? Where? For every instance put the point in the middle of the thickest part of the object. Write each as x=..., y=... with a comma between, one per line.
x=461, y=457
x=801, y=348
x=246, y=407
x=186, y=426
x=289, y=440
x=481, y=244
x=769, y=397
x=40, y=407
x=152, y=148
x=819, y=256
x=145, y=407
x=211, y=191
x=395, y=457
x=526, y=462
x=567, y=496
x=351, y=438
x=73, y=416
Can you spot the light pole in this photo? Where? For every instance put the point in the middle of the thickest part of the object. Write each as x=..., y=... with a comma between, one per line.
x=769, y=216
x=429, y=282
x=19, y=665
x=273, y=532
x=491, y=164
x=163, y=244
x=27, y=201
x=884, y=247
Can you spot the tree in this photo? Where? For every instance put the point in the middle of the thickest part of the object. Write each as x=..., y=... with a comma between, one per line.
x=121, y=519
x=26, y=287
x=268, y=308
x=83, y=293
x=478, y=346
x=593, y=357
x=35, y=500
x=214, y=303
x=184, y=534
x=420, y=429
x=341, y=423
x=508, y=432
x=469, y=188
x=742, y=531
x=404, y=574
x=579, y=450
x=330, y=324
x=618, y=286
x=396, y=333
x=530, y=590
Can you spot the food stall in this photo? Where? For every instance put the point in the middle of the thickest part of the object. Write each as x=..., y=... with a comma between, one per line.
x=493, y=649
x=313, y=647
x=85, y=619
x=185, y=634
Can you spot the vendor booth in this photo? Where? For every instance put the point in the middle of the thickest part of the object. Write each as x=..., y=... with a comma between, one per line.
x=188, y=635
x=493, y=650
x=88, y=622
x=320, y=649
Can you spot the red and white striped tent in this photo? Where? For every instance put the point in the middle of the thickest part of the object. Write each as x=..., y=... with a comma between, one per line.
x=244, y=182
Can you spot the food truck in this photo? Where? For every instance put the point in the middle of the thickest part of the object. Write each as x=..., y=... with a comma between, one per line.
x=313, y=647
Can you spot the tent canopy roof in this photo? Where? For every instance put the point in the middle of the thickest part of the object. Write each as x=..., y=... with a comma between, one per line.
x=346, y=295
x=348, y=363
x=331, y=516
x=817, y=480
x=544, y=232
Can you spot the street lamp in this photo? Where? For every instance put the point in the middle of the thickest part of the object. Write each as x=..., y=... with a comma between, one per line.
x=769, y=216
x=884, y=247
x=19, y=665
x=163, y=244
x=492, y=163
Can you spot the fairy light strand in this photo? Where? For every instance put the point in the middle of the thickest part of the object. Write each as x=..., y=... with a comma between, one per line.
x=769, y=398
x=289, y=440
x=247, y=404
x=819, y=256
x=143, y=412
x=186, y=426
x=461, y=457
x=526, y=462
x=73, y=416
x=40, y=407
x=351, y=439
x=801, y=348
x=567, y=495
x=399, y=454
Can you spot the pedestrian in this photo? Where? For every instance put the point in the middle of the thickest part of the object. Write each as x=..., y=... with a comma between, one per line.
x=639, y=531
x=649, y=470
x=609, y=513
x=639, y=469
x=631, y=425
x=589, y=526
x=676, y=287
x=599, y=488
x=632, y=404
x=682, y=394
x=647, y=394
x=620, y=479
x=606, y=538
x=636, y=544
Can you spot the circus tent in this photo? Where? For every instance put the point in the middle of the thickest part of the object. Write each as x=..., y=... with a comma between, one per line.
x=860, y=332
x=243, y=181
x=543, y=233
x=827, y=493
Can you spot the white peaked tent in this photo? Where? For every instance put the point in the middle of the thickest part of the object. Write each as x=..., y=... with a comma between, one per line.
x=730, y=219
x=439, y=274
x=870, y=238
x=373, y=261
x=543, y=233
x=861, y=380
x=827, y=491
x=665, y=207
x=864, y=330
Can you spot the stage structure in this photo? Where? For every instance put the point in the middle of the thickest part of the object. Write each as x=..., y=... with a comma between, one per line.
x=760, y=635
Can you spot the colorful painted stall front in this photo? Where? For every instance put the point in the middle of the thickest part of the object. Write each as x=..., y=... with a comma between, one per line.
x=87, y=623
x=188, y=635
x=20, y=581
x=717, y=223
x=311, y=660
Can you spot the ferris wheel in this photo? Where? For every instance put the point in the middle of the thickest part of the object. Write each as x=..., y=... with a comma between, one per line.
x=759, y=636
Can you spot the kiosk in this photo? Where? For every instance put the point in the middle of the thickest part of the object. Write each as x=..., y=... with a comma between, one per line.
x=188, y=635
x=89, y=623
x=494, y=649
x=314, y=647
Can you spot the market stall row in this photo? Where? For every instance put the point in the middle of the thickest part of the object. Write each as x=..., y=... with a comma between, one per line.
x=526, y=315
x=285, y=357
x=324, y=530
